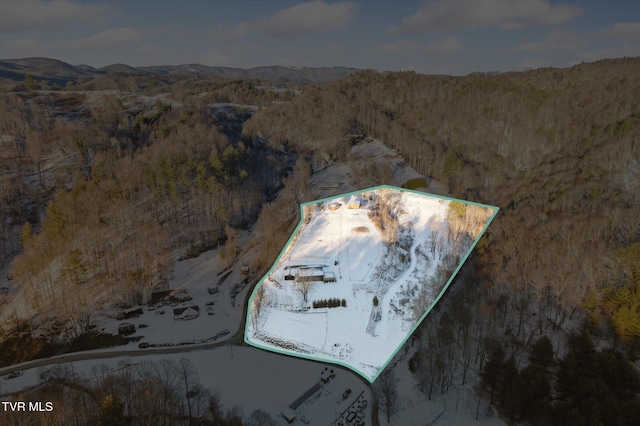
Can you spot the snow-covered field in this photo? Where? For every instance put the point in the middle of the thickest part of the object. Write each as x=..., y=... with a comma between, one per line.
x=192, y=278
x=247, y=377
x=338, y=239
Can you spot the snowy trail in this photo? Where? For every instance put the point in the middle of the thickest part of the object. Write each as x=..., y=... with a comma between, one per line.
x=359, y=270
x=386, y=299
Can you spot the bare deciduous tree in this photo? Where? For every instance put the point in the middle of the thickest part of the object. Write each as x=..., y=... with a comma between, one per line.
x=303, y=287
x=386, y=393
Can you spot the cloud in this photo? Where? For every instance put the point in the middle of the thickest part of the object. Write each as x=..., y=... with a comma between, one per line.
x=299, y=20
x=25, y=15
x=228, y=33
x=106, y=39
x=557, y=40
x=404, y=47
x=623, y=30
x=328, y=50
x=26, y=47
x=444, y=15
x=308, y=18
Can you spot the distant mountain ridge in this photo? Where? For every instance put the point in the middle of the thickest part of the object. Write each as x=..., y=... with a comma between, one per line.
x=59, y=72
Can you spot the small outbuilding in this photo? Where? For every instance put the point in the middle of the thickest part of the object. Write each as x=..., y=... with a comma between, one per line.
x=306, y=395
x=190, y=313
x=311, y=273
x=329, y=277
x=186, y=313
x=354, y=202
x=134, y=312
x=288, y=414
x=126, y=328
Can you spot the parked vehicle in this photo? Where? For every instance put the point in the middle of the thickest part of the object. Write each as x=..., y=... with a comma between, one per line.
x=14, y=374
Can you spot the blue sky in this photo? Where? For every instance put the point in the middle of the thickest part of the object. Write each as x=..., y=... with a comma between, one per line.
x=436, y=37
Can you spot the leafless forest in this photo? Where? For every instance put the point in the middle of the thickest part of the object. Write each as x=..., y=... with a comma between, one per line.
x=100, y=192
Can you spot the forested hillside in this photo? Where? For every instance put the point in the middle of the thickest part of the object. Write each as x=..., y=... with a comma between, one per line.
x=101, y=191
x=557, y=150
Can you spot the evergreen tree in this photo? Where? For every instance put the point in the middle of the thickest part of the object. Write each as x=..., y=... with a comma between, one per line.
x=541, y=353
x=30, y=83
x=493, y=371
x=111, y=412
x=596, y=387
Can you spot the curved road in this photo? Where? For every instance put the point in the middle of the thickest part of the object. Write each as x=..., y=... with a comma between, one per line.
x=237, y=339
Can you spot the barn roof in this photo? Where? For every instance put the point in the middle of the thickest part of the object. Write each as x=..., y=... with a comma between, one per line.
x=310, y=271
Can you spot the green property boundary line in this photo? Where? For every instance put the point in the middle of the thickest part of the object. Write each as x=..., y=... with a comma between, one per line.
x=413, y=329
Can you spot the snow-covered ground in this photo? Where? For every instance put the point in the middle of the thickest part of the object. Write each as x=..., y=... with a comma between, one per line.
x=247, y=377
x=459, y=406
x=191, y=278
x=341, y=240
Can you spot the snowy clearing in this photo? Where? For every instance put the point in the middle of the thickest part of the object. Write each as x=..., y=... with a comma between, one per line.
x=360, y=273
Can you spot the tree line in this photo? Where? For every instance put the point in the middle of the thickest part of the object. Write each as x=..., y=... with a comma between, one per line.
x=162, y=392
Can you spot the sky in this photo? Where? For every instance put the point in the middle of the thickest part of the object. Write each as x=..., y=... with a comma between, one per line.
x=454, y=37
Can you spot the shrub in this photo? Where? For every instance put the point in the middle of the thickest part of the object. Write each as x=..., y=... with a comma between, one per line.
x=334, y=302
x=415, y=183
